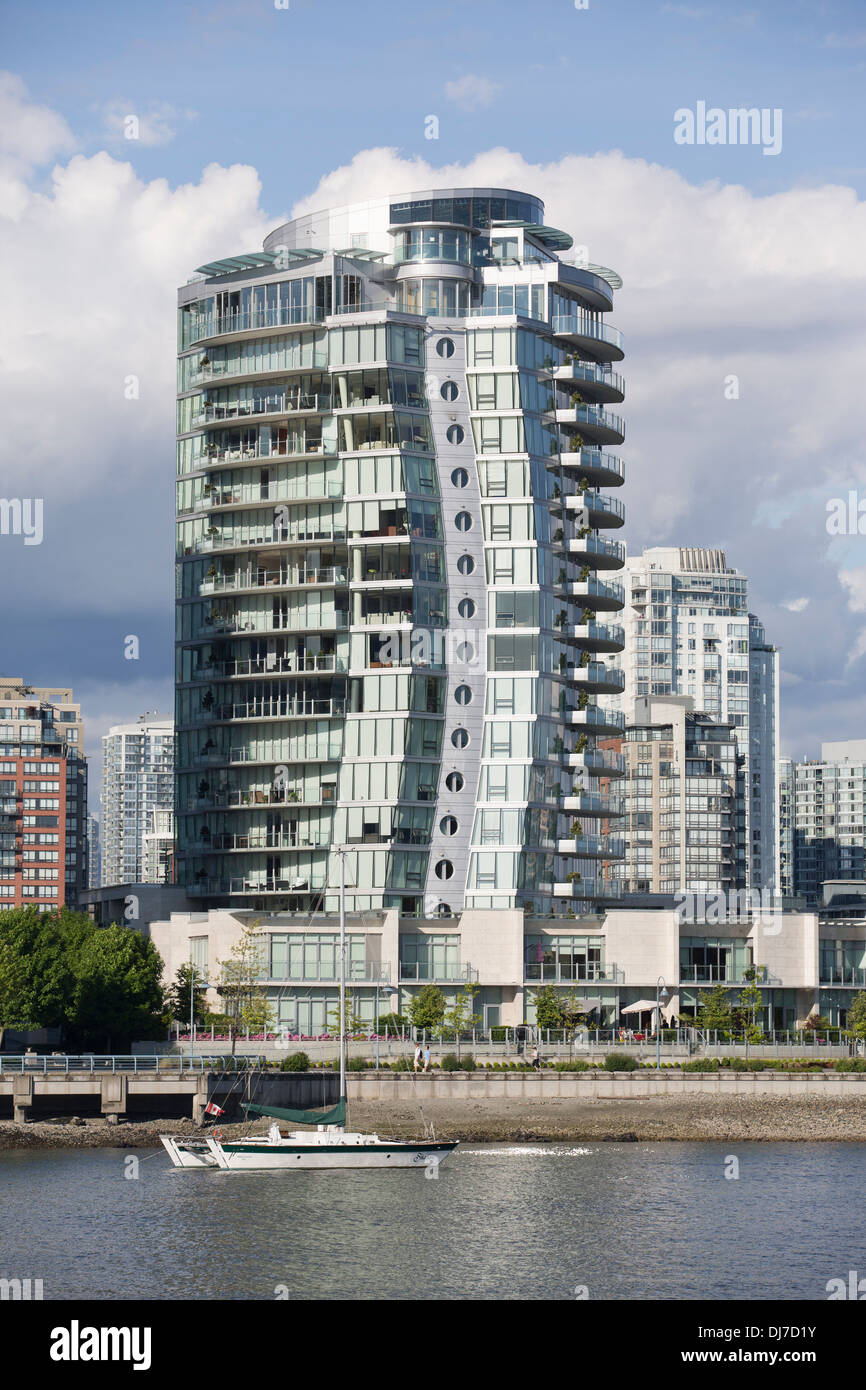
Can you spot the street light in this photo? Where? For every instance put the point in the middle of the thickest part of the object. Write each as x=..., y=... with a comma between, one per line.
x=661, y=993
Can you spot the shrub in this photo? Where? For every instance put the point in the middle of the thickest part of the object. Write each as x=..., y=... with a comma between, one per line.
x=401, y=1064
x=450, y=1062
x=850, y=1064
x=577, y=1065
x=391, y=1023
x=299, y=1061
x=358, y=1064
x=758, y=1064
x=620, y=1061
x=702, y=1064
x=467, y=1064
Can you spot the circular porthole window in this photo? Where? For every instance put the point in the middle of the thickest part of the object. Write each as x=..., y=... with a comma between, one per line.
x=460, y=738
x=449, y=390
x=444, y=869
x=460, y=478
x=448, y=825
x=455, y=434
x=454, y=781
x=466, y=608
x=445, y=347
x=466, y=564
x=463, y=521
x=465, y=652
x=463, y=695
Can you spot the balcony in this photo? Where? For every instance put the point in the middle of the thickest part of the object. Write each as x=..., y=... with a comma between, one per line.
x=413, y=972
x=238, y=625
x=596, y=637
x=593, y=804
x=274, y=492
x=592, y=336
x=274, y=579
x=289, y=403
x=598, y=762
x=592, y=847
x=259, y=840
x=258, y=320
x=293, y=446
x=601, y=511
x=596, y=468
x=571, y=973
x=594, y=424
x=592, y=380
x=596, y=720
x=208, y=800
x=843, y=975
x=596, y=551
x=224, y=371
x=725, y=975
x=599, y=594
x=596, y=678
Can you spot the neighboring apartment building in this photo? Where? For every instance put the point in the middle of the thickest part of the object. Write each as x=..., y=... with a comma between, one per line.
x=688, y=632
x=682, y=820
x=803, y=965
x=92, y=851
x=822, y=819
x=137, y=781
x=396, y=581
x=43, y=796
x=159, y=846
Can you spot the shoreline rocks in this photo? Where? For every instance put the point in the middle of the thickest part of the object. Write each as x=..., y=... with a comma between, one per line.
x=697, y=1118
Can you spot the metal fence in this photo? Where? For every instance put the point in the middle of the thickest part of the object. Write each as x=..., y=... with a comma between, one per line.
x=167, y=1063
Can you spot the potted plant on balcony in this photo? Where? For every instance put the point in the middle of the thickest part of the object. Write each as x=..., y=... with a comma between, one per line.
x=580, y=746
x=576, y=830
x=573, y=877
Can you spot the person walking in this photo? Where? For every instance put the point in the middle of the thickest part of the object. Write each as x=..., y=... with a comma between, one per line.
x=419, y=1057
x=536, y=1060
x=427, y=1057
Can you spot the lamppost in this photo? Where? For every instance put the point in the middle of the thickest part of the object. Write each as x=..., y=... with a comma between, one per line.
x=661, y=993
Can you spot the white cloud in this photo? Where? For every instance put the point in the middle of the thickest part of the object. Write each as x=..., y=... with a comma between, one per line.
x=796, y=605
x=155, y=124
x=718, y=282
x=471, y=92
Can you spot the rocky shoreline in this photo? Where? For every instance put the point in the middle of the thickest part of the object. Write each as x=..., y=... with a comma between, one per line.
x=697, y=1118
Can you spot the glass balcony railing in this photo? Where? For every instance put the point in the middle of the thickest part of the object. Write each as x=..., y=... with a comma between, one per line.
x=583, y=326
x=572, y=972
x=276, y=404
x=288, y=316
x=241, y=366
x=275, y=578
x=598, y=468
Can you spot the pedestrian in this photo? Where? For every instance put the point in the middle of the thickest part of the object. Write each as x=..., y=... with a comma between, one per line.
x=419, y=1056
x=536, y=1060
x=427, y=1057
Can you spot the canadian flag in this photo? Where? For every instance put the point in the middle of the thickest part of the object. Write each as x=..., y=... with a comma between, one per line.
x=213, y=1109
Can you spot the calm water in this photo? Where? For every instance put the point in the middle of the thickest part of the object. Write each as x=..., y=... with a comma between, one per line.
x=501, y=1222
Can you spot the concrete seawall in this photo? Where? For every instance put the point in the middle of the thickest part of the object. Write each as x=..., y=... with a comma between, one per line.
x=629, y=1085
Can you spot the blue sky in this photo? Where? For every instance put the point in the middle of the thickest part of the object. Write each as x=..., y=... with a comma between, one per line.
x=733, y=261
x=298, y=91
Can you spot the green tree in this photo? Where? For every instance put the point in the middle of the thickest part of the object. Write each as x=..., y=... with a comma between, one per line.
x=118, y=993
x=714, y=1012
x=178, y=1000
x=38, y=961
x=427, y=1008
x=548, y=1013
x=461, y=1017
x=239, y=987
x=750, y=1001
x=857, y=1017
x=354, y=1022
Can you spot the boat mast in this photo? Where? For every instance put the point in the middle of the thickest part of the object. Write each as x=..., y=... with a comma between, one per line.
x=342, y=853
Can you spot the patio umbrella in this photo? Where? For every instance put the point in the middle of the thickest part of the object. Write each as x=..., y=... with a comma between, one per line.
x=641, y=1007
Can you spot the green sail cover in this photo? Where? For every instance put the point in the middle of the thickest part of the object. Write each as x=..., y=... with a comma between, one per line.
x=337, y=1116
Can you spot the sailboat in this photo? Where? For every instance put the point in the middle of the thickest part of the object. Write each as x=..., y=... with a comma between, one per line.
x=331, y=1145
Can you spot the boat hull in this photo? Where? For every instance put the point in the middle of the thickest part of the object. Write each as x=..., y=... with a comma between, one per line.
x=249, y=1155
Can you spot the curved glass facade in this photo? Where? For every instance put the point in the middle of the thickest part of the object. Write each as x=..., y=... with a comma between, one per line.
x=394, y=574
